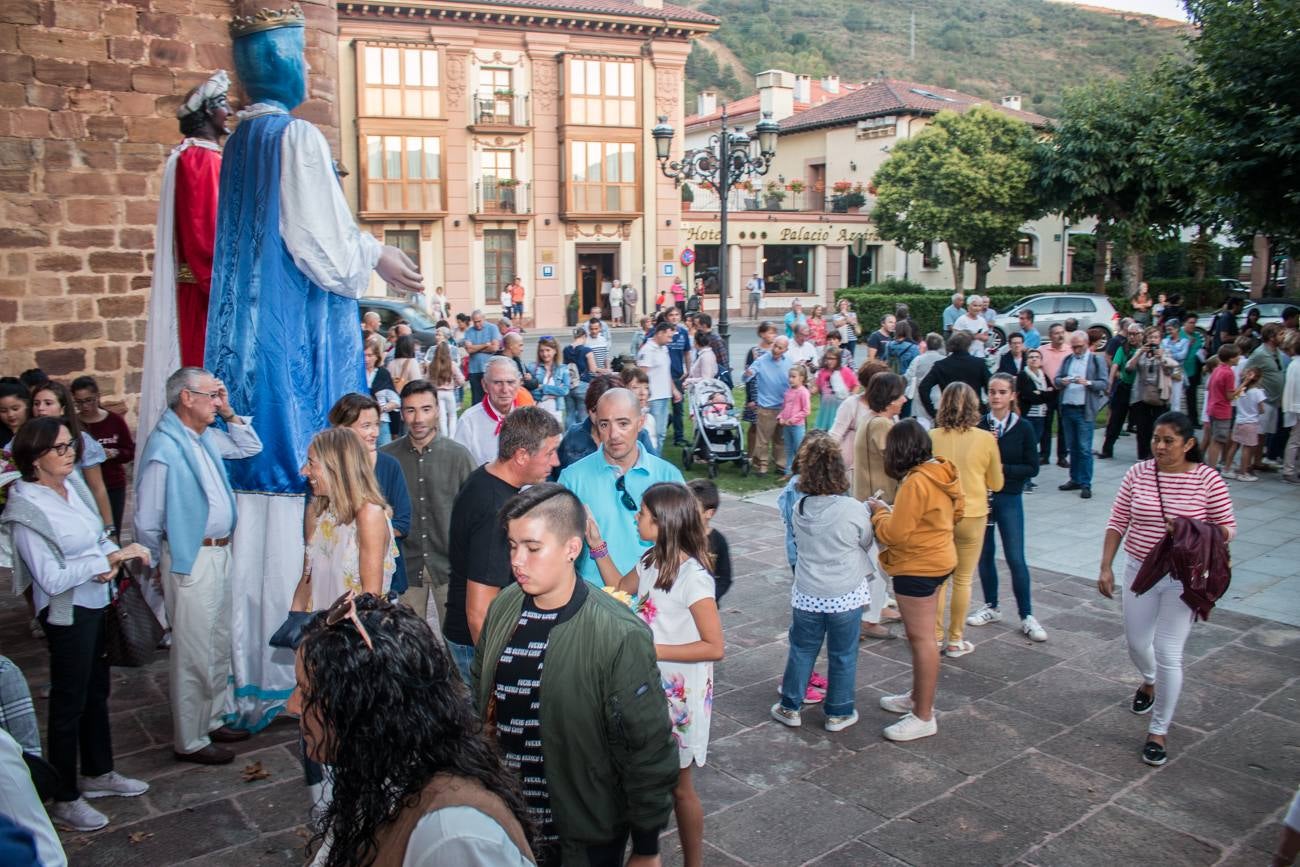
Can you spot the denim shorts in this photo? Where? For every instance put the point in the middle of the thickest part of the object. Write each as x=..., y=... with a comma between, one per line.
x=918, y=586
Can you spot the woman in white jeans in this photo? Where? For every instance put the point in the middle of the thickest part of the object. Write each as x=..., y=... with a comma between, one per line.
x=1157, y=623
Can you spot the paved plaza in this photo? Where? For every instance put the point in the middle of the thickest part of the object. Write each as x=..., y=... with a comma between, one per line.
x=1036, y=760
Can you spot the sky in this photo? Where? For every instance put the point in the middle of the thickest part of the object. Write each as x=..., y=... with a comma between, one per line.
x=1164, y=8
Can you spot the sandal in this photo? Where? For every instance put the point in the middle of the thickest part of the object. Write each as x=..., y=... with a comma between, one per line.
x=873, y=631
x=890, y=615
x=961, y=648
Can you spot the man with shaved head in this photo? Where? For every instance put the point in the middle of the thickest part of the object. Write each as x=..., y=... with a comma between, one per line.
x=611, y=480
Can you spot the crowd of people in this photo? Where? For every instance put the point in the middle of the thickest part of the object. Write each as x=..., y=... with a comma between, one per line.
x=449, y=553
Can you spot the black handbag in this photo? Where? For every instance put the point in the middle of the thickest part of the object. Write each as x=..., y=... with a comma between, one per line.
x=132, y=631
x=289, y=635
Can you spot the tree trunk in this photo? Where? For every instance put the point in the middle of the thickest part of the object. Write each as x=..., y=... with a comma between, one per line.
x=1132, y=271
x=1259, y=265
x=958, y=263
x=1100, y=258
x=1199, y=251
x=982, y=268
x=1292, y=277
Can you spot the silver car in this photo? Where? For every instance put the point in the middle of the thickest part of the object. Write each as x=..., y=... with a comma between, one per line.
x=1093, y=312
x=1270, y=310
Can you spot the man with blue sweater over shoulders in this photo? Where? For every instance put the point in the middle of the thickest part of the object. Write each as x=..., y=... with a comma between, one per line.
x=185, y=515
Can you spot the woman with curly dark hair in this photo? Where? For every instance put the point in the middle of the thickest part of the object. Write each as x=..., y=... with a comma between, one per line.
x=417, y=783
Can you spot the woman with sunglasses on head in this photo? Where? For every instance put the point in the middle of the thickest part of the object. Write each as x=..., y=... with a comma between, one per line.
x=64, y=554
x=590, y=730
x=552, y=378
x=417, y=783
x=53, y=400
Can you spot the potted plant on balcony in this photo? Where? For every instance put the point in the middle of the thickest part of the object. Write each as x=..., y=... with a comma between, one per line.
x=504, y=93
x=508, y=183
x=688, y=196
x=773, y=195
x=846, y=196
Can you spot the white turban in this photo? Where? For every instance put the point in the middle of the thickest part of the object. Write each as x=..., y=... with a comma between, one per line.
x=214, y=87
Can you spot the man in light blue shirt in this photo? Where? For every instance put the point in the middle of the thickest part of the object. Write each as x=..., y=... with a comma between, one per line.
x=482, y=341
x=771, y=375
x=1033, y=339
x=952, y=312
x=794, y=318
x=612, y=479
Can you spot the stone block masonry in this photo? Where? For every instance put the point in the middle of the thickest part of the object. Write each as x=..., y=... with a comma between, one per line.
x=88, y=96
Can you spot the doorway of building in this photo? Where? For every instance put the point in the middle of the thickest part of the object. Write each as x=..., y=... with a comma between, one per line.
x=595, y=268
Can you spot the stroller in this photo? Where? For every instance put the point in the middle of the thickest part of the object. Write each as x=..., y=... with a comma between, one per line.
x=719, y=437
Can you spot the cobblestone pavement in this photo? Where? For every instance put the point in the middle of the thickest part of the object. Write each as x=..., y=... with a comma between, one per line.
x=1036, y=760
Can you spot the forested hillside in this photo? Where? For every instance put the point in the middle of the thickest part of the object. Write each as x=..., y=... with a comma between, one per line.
x=1032, y=48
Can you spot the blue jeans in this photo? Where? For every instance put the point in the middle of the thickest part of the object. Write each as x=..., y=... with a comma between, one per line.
x=1006, y=516
x=807, y=629
x=1078, y=427
x=792, y=435
x=463, y=654
x=659, y=409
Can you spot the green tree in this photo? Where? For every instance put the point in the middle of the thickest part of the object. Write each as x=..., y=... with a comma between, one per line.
x=965, y=180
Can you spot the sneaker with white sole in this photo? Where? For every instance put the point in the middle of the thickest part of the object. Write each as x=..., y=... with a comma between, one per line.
x=112, y=785
x=986, y=615
x=1031, y=627
x=77, y=815
x=910, y=728
x=786, y=717
x=901, y=703
x=1246, y=477
x=840, y=723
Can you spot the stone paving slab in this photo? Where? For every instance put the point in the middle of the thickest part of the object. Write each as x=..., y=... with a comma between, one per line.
x=1036, y=760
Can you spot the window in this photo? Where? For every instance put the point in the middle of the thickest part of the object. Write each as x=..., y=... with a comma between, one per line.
x=399, y=81
x=1075, y=304
x=1041, y=306
x=495, y=96
x=1025, y=253
x=602, y=176
x=499, y=182
x=706, y=266
x=408, y=241
x=930, y=255
x=498, y=261
x=403, y=173
x=602, y=92
x=787, y=267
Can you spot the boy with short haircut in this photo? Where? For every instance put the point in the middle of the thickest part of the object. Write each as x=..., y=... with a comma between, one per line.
x=835, y=341
x=1218, y=403
x=637, y=380
x=706, y=494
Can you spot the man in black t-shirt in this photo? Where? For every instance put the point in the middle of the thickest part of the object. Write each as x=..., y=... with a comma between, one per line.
x=879, y=339
x=480, y=556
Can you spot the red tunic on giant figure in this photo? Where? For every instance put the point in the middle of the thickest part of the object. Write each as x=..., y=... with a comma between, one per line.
x=198, y=175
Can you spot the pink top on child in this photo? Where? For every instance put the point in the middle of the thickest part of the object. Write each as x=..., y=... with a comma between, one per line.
x=1218, y=393
x=796, y=406
x=824, y=380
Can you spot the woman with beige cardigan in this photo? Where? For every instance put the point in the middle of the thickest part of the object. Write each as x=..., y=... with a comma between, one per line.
x=884, y=398
x=974, y=452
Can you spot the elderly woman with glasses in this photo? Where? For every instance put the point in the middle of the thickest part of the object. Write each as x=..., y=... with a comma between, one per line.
x=64, y=554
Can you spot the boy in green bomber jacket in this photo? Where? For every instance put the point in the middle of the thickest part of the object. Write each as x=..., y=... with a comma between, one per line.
x=591, y=741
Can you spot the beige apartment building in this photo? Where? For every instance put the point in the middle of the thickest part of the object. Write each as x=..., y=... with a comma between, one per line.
x=801, y=225
x=493, y=139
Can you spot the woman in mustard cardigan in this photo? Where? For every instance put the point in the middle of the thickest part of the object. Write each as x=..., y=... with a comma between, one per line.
x=974, y=453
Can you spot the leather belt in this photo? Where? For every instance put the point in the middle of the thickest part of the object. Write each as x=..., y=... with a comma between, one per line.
x=216, y=543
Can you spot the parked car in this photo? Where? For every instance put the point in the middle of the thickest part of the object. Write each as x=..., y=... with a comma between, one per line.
x=1093, y=312
x=1232, y=286
x=390, y=310
x=1270, y=310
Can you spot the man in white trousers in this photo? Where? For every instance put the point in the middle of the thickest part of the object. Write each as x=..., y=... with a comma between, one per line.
x=185, y=515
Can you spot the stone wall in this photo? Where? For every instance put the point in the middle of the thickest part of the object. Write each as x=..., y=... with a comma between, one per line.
x=88, y=94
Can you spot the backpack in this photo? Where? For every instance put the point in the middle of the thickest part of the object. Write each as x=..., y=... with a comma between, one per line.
x=1146, y=383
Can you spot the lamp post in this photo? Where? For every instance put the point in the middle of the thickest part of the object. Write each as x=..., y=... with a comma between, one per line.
x=727, y=158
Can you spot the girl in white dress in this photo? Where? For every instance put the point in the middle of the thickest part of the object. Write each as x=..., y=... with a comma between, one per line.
x=674, y=594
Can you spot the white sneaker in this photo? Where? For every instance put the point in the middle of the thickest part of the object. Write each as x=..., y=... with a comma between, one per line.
x=911, y=728
x=77, y=815
x=986, y=615
x=1030, y=627
x=1229, y=474
x=110, y=785
x=901, y=703
x=840, y=723
x=786, y=717
x=1246, y=477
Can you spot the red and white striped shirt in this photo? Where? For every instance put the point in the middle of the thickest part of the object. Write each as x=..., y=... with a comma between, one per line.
x=1199, y=493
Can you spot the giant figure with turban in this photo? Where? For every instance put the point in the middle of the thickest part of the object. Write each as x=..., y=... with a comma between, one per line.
x=289, y=266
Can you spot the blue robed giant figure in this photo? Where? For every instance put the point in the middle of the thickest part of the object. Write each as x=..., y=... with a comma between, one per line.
x=283, y=331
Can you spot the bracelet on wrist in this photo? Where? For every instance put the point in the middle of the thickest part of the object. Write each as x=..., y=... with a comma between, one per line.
x=601, y=550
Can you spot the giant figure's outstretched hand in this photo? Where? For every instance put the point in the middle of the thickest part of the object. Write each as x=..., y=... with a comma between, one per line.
x=397, y=269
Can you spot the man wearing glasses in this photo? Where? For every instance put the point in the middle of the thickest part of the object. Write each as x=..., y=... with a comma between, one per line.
x=478, y=427
x=611, y=480
x=185, y=515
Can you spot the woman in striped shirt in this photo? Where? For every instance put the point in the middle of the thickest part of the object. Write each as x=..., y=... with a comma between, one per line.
x=1157, y=623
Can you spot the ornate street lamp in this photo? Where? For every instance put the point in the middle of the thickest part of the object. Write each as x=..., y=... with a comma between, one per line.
x=727, y=159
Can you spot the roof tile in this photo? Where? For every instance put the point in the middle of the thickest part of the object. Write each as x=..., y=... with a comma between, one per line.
x=893, y=96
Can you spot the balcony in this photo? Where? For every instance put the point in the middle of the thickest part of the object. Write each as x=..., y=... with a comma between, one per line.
x=504, y=111
x=805, y=201
x=495, y=200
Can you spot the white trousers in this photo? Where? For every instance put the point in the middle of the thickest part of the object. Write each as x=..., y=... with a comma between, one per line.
x=1156, y=626
x=447, y=413
x=198, y=607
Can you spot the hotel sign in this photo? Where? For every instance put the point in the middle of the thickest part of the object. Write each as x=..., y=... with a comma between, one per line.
x=779, y=233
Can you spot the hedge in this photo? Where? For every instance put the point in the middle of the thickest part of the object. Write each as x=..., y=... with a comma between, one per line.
x=926, y=306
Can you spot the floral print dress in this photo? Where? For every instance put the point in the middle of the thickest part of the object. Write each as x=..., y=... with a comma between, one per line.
x=687, y=685
x=334, y=558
